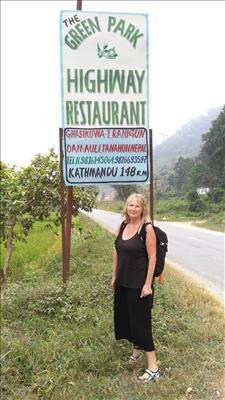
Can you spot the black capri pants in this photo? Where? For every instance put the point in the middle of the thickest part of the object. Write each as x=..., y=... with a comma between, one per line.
x=132, y=317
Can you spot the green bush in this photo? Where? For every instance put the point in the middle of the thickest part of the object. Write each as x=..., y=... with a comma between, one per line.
x=217, y=195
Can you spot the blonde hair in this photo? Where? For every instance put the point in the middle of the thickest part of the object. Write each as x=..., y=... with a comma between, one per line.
x=141, y=201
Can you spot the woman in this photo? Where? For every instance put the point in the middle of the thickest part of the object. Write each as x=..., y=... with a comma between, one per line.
x=132, y=282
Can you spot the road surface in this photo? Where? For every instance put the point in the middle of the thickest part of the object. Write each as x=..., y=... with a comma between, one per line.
x=198, y=252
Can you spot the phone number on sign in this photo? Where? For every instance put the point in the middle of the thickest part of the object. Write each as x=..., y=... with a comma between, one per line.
x=106, y=160
x=130, y=159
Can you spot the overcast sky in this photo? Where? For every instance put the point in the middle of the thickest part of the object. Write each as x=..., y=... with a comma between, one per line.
x=187, y=67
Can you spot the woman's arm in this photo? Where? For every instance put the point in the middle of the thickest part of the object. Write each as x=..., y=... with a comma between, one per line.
x=114, y=270
x=151, y=250
x=114, y=264
x=115, y=260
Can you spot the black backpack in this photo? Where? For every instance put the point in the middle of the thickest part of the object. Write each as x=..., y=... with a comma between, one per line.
x=161, y=245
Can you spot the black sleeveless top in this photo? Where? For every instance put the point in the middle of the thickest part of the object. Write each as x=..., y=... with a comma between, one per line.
x=132, y=264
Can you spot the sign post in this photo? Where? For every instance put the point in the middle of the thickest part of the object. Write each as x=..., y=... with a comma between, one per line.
x=62, y=203
x=66, y=226
x=151, y=177
x=105, y=103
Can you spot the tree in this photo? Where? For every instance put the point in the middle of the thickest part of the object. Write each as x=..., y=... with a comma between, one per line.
x=213, y=151
x=180, y=178
x=199, y=175
x=196, y=203
x=217, y=194
x=123, y=191
x=32, y=194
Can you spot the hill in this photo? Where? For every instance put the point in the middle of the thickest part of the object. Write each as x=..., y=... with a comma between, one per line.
x=186, y=141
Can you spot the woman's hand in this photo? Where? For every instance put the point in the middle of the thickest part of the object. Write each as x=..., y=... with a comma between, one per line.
x=146, y=291
x=113, y=282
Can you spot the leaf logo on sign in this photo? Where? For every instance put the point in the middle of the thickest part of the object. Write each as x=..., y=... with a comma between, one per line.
x=106, y=52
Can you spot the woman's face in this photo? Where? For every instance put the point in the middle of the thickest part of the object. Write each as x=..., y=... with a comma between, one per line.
x=134, y=209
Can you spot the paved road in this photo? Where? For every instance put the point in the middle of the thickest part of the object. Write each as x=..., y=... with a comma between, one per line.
x=198, y=252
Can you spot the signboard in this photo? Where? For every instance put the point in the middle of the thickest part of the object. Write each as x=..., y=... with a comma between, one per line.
x=105, y=118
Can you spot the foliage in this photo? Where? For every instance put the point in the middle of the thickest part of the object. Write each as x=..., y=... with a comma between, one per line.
x=217, y=194
x=163, y=185
x=199, y=174
x=123, y=191
x=196, y=203
x=29, y=193
x=32, y=194
x=213, y=151
x=180, y=178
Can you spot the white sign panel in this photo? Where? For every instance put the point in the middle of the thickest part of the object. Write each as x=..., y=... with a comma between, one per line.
x=105, y=118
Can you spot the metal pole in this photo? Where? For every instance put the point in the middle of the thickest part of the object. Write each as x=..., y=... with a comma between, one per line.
x=69, y=207
x=151, y=177
x=79, y=4
x=66, y=224
x=62, y=207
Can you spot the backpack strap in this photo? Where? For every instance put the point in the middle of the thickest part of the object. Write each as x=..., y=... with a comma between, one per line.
x=142, y=232
x=122, y=227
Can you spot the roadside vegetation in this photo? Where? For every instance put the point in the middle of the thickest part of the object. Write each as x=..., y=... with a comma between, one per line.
x=31, y=256
x=29, y=195
x=213, y=217
x=59, y=344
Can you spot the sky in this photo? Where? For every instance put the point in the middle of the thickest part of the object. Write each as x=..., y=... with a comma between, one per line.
x=186, y=66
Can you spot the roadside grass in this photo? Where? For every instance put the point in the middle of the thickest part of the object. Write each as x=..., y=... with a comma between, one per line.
x=176, y=210
x=59, y=344
x=29, y=257
x=215, y=222
x=116, y=206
